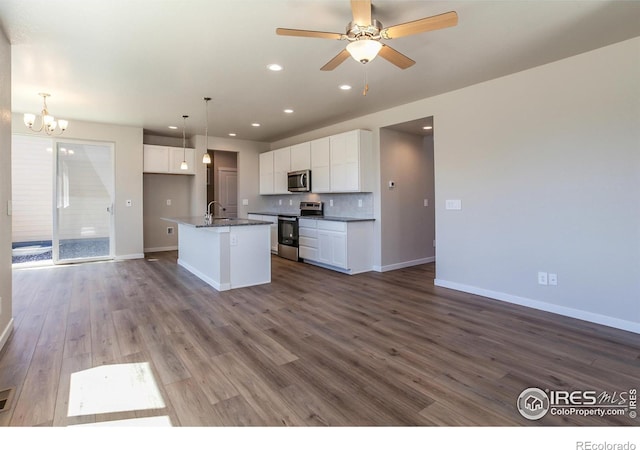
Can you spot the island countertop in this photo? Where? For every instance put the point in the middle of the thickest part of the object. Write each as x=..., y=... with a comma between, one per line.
x=199, y=222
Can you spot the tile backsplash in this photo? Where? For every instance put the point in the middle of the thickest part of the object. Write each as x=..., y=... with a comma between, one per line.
x=344, y=205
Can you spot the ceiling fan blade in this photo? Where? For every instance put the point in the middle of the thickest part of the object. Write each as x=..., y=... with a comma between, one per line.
x=432, y=23
x=337, y=60
x=395, y=57
x=361, y=10
x=307, y=33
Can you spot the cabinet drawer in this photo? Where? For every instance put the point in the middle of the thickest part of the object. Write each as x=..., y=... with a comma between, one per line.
x=307, y=223
x=308, y=253
x=308, y=242
x=309, y=232
x=330, y=225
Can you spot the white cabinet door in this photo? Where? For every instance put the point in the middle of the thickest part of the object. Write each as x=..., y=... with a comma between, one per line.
x=177, y=155
x=156, y=159
x=345, y=155
x=332, y=248
x=301, y=156
x=281, y=166
x=266, y=173
x=320, y=165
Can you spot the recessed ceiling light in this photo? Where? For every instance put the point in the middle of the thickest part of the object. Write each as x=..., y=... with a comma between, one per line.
x=288, y=111
x=345, y=87
x=274, y=67
x=232, y=134
x=427, y=128
x=173, y=127
x=255, y=124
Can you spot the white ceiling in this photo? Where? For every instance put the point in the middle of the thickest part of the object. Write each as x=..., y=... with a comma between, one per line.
x=145, y=63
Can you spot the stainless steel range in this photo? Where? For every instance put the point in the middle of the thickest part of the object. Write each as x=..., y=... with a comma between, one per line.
x=288, y=229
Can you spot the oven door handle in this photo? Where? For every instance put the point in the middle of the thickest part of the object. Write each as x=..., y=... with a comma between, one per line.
x=288, y=219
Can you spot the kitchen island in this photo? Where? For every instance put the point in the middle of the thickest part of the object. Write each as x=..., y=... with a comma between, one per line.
x=225, y=253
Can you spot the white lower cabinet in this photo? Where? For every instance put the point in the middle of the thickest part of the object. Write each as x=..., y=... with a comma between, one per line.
x=274, y=228
x=343, y=246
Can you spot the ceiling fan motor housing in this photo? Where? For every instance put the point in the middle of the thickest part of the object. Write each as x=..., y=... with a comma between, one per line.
x=355, y=32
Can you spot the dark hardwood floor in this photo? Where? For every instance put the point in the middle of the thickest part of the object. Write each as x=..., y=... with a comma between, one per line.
x=314, y=347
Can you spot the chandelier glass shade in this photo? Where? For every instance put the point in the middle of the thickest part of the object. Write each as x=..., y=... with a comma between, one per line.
x=48, y=123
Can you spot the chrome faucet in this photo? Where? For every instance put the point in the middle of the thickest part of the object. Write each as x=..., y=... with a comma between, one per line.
x=208, y=216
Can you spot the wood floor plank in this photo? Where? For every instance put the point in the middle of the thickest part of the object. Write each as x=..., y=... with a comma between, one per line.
x=312, y=348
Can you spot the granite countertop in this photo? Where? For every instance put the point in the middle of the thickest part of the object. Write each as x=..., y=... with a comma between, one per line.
x=332, y=218
x=199, y=222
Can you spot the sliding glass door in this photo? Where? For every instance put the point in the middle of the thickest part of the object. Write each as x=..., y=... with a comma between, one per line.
x=83, y=202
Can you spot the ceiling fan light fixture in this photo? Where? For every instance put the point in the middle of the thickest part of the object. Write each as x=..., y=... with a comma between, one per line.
x=364, y=50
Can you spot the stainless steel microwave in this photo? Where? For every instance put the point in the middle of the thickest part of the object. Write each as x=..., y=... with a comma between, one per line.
x=299, y=181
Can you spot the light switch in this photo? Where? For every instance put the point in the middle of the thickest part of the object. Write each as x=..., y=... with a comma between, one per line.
x=233, y=239
x=426, y=202
x=453, y=204
x=245, y=201
x=129, y=203
x=168, y=202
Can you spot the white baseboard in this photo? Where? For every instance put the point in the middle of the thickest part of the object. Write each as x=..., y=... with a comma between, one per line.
x=4, y=337
x=600, y=319
x=210, y=281
x=161, y=249
x=404, y=264
x=131, y=256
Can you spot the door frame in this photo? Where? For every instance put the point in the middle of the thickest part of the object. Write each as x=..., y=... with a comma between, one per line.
x=55, y=240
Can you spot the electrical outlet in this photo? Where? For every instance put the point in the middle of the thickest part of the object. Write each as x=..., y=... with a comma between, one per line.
x=553, y=279
x=290, y=202
x=280, y=202
x=426, y=202
x=331, y=202
x=543, y=278
x=169, y=230
x=359, y=203
x=233, y=239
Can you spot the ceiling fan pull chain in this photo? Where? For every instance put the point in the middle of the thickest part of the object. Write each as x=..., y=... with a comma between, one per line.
x=366, y=83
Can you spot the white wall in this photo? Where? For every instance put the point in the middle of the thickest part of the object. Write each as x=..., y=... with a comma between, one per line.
x=547, y=165
x=6, y=322
x=128, y=177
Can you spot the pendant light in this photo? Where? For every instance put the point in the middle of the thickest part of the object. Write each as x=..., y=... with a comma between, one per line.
x=206, y=158
x=184, y=165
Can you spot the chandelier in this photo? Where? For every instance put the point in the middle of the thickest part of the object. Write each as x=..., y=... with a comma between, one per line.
x=47, y=122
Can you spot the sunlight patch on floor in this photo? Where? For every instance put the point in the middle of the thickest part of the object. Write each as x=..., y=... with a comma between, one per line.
x=157, y=421
x=113, y=388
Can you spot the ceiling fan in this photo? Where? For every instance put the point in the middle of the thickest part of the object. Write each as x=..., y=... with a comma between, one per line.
x=365, y=33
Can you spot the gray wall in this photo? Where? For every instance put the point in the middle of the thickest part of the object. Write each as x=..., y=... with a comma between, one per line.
x=408, y=227
x=5, y=189
x=158, y=188
x=547, y=165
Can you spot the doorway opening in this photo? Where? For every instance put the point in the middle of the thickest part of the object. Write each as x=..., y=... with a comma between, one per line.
x=407, y=197
x=222, y=182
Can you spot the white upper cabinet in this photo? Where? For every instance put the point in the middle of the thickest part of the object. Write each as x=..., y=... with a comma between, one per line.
x=162, y=159
x=266, y=173
x=301, y=156
x=351, y=161
x=320, y=165
x=281, y=167
x=338, y=163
